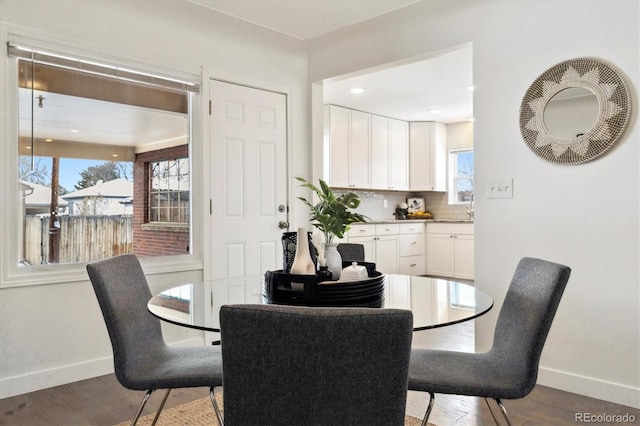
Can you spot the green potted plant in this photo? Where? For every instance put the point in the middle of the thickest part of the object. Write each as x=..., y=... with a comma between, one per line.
x=332, y=216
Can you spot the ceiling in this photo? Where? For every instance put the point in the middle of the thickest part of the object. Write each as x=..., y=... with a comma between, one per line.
x=404, y=91
x=438, y=88
x=304, y=19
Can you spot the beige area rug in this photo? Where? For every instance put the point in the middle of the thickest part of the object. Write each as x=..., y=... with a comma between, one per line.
x=200, y=412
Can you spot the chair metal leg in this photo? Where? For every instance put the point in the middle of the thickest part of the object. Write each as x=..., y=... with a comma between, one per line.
x=142, y=404
x=155, y=419
x=502, y=409
x=425, y=421
x=212, y=395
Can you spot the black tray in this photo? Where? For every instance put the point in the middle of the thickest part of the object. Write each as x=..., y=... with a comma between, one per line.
x=369, y=292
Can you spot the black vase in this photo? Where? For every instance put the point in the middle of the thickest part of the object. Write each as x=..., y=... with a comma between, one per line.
x=324, y=274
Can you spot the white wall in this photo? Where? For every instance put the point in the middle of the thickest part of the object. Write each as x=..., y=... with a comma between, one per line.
x=54, y=333
x=584, y=216
x=460, y=135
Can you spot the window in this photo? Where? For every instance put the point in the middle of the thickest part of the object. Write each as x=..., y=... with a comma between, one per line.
x=461, y=176
x=461, y=296
x=169, y=191
x=102, y=152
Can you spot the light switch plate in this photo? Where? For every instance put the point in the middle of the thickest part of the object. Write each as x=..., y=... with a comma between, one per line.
x=500, y=188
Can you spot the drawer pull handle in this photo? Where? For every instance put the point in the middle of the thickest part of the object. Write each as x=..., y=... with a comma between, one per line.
x=413, y=264
x=414, y=242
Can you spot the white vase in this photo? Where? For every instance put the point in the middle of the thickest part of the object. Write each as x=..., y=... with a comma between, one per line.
x=302, y=263
x=334, y=260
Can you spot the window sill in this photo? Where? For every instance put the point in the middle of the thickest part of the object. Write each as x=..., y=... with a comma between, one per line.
x=76, y=272
x=166, y=227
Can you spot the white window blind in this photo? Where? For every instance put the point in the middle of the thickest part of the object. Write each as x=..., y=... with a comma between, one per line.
x=102, y=69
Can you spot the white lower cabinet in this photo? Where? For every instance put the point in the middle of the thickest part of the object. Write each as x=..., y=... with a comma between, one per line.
x=450, y=250
x=394, y=248
x=380, y=245
x=412, y=248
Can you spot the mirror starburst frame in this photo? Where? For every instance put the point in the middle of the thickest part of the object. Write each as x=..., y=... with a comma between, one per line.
x=614, y=110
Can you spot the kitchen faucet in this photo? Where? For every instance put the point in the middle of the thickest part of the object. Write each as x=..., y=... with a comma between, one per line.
x=470, y=208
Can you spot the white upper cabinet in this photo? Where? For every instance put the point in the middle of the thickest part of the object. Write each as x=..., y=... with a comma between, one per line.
x=389, y=153
x=427, y=156
x=366, y=151
x=347, y=147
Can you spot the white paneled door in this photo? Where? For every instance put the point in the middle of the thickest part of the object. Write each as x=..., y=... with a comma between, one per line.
x=248, y=136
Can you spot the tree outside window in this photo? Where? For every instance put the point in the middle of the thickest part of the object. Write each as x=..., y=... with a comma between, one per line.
x=461, y=171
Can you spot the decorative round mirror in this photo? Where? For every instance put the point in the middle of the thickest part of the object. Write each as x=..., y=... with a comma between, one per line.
x=575, y=111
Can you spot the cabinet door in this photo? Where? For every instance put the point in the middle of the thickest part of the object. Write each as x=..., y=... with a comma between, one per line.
x=337, y=132
x=398, y=154
x=427, y=156
x=411, y=244
x=440, y=255
x=412, y=265
x=439, y=152
x=369, y=244
x=359, y=150
x=464, y=256
x=420, y=157
x=368, y=230
x=387, y=254
x=379, y=152
x=387, y=229
x=412, y=228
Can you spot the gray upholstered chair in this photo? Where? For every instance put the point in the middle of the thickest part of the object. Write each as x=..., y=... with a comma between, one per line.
x=142, y=360
x=510, y=369
x=286, y=365
x=351, y=252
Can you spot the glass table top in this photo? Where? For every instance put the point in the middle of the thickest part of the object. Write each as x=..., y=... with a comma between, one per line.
x=434, y=302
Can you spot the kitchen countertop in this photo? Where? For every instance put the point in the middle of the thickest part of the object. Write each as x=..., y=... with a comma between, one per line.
x=437, y=220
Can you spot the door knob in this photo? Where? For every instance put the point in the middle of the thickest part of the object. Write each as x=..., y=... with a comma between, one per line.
x=283, y=224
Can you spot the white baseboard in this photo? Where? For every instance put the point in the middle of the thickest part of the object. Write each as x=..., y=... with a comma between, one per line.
x=588, y=386
x=43, y=379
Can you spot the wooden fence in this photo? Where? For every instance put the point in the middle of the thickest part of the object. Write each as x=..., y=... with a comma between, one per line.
x=82, y=238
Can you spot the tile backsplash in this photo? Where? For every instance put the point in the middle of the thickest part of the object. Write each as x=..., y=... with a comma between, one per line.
x=372, y=204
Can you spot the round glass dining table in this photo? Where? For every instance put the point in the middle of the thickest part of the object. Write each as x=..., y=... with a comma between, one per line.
x=433, y=302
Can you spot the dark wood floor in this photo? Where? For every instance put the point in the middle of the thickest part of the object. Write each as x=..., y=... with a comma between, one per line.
x=102, y=401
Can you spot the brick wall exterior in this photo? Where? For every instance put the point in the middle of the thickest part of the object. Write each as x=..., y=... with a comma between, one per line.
x=154, y=242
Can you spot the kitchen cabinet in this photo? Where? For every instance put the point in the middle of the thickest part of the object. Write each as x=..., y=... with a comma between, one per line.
x=396, y=248
x=347, y=147
x=412, y=248
x=427, y=156
x=389, y=153
x=381, y=244
x=450, y=250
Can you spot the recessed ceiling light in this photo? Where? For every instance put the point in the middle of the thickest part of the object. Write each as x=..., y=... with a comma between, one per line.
x=48, y=140
x=471, y=120
x=114, y=155
x=74, y=130
x=471, y=88
x=357, y=90
x=435, y=111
